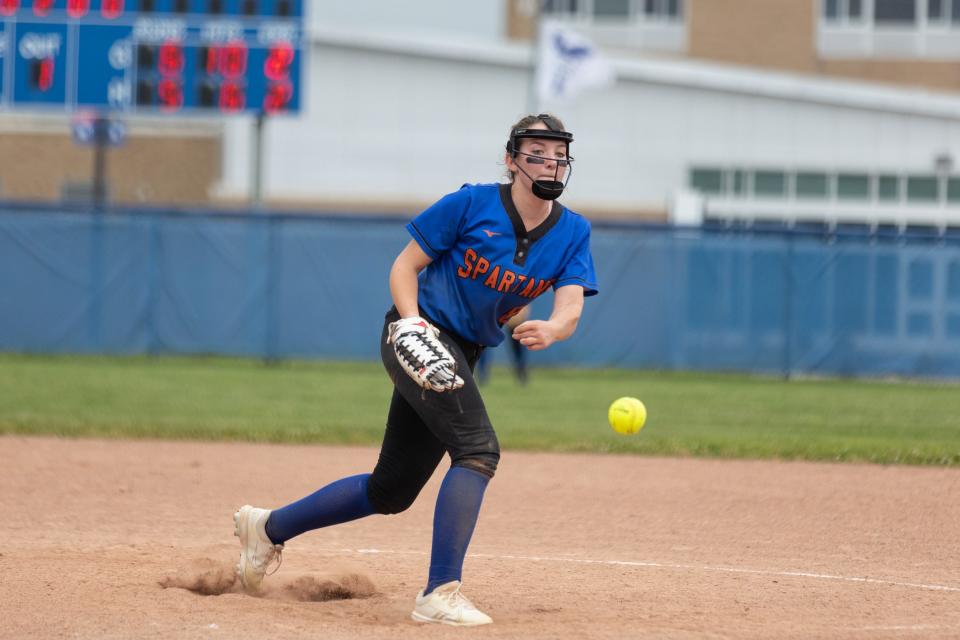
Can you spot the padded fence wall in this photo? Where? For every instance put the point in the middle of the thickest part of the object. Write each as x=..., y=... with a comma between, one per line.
x=280, y=286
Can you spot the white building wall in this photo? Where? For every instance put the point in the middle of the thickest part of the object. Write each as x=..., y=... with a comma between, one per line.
x=401, y=120
x=485, y=19
x=387, y=123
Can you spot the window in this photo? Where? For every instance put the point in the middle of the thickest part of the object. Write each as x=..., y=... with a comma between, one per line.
x=922, y=189
x=941, y=12
x=738, y=183
x=662, y=8
x=953, y=190
x=560, y=6
x=707, y=180
x=806, y=185
x=883, y=29
x=842, y=10
x=899, y=11
x=619, y=10
x=769, y=183
x=611, y=8
x=853, y=186
x=888, y=188
x=812, y=185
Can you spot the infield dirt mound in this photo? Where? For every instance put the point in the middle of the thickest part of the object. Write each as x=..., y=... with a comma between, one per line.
x=134, y=539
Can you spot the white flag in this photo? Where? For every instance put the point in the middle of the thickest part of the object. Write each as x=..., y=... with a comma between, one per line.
x=568, y=64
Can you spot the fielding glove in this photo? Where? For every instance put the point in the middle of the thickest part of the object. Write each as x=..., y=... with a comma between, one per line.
x=418, y=348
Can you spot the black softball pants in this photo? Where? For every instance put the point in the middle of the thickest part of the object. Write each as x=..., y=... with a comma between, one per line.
x=423, y=425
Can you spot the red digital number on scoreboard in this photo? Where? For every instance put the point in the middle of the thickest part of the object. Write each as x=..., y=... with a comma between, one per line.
x=208, y=59
x=9, y=7
x=170, y=62
x=232, y=97
x=42, y=7
x=111, y=9
x=233, y=60
x=230, y=60
x=277, y=97
x=279, y=59
x=42, y=74
x=170, y=93
x=78, y=8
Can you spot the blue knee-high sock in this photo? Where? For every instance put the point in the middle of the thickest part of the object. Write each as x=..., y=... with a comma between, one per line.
x=340, y=501
x=458, y=505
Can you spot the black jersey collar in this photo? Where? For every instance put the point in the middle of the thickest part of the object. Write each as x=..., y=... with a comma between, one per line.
x=525, y=239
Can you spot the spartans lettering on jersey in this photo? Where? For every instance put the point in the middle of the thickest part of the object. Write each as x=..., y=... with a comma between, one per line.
x=500, y=278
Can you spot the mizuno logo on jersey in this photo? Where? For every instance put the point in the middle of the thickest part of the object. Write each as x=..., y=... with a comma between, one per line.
x=500, y=278
x=490, y=234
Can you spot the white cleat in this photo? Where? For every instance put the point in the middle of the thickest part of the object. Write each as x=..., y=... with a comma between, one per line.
x=256, y=549
x=446, y=605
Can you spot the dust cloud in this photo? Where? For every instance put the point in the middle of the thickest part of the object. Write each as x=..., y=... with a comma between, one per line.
x=208, y=577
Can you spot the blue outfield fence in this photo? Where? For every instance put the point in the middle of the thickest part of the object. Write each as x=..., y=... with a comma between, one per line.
x=285, y=286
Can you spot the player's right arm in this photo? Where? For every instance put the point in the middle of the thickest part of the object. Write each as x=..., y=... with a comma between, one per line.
x=403, y=278
x=540, y=334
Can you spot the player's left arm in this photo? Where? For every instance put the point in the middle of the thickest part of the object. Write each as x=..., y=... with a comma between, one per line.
x=567, y=307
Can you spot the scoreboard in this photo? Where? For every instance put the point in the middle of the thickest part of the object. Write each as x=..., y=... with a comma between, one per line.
x=191, y=57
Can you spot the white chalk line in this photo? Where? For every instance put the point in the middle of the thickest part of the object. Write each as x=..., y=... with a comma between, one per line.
x=664, y=565
x=906, y=627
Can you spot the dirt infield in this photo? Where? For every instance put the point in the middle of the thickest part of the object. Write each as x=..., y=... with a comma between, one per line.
x=120, y=539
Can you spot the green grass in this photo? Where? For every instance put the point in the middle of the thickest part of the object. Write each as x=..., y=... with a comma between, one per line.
x=715, y=415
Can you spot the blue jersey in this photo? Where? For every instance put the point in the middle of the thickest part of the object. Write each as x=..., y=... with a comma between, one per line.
x=486, y=266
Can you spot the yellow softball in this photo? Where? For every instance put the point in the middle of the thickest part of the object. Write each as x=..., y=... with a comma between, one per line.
x=627, y=415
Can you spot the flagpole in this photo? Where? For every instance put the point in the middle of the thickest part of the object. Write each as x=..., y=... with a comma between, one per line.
x=533, y=103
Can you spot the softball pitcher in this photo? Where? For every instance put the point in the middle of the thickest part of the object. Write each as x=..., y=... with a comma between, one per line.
x=477, y=257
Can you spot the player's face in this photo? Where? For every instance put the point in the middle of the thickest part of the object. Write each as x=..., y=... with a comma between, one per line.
x=542, y=159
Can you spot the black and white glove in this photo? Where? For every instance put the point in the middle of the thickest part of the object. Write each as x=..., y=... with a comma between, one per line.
x=418, y=348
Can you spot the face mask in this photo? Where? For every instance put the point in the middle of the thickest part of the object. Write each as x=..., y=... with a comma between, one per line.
x=542, y=188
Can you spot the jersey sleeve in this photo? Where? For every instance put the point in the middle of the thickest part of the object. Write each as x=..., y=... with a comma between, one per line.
x=579, y=268
x=437, y=228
